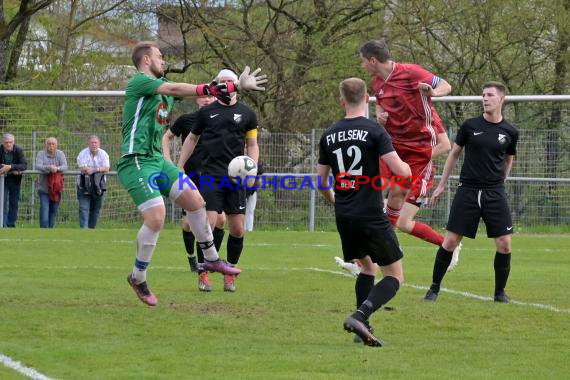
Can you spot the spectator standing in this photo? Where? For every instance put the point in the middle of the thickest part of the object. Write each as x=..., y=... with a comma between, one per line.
x=92, y=182
x=52, y=163
x=12, y=163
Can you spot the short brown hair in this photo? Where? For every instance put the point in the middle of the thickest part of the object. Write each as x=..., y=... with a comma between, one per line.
x=141, y=49
x=375, y=49
x=498, y=85
x=352, y=90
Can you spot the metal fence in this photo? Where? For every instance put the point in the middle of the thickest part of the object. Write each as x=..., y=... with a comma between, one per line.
x=539, y=188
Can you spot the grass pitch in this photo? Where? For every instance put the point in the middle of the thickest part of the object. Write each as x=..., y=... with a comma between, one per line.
x=67, y=311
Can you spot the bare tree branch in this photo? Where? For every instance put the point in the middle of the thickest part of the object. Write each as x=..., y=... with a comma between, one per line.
x=97, y=14
x=307, y=28
x=26, y=9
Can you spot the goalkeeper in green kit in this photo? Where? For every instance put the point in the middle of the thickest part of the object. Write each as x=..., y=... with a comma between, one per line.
x=144, y=172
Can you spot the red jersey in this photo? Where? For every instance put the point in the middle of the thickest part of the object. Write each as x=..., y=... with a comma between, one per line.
x=412, y=122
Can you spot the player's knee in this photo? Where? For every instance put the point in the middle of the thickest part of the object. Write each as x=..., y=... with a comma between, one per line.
x=367, y=266
x=503, y=244
x=397, y=194
x=221, y=221
x=237, y=231
x=154, y=217
x=450, y=242
x=191, y=200
x=404, y=225
x=155, y=222
x=368, y=269
x=396, y=272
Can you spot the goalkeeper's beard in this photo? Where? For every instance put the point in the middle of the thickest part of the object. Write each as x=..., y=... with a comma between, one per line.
x=158, y=73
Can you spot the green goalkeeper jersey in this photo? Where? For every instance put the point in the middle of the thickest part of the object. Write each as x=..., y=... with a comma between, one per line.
x=145, y=115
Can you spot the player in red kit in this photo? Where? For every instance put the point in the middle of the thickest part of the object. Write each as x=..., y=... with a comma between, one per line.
x=403, y=105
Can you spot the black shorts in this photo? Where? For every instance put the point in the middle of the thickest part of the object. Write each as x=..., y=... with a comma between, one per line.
x=372, y=237
x=469, y=205
x=224, y=199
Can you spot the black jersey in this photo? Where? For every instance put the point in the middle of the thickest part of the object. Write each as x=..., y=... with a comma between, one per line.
x=354, y=146
x=182, y=128
x=222, y=130
x=486, y=145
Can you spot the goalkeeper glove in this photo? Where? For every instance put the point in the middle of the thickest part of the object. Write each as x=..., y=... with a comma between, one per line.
x=251, y=81
x=222, y=91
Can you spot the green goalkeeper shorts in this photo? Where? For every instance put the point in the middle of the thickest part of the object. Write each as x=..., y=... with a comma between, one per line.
x=147, y=177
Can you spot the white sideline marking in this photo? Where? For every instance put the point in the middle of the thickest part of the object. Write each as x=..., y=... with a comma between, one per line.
x=460, y=293
x=344, y=274
x=26, y=371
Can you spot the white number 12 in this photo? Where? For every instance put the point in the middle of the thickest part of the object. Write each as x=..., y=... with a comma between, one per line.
x=352, y=150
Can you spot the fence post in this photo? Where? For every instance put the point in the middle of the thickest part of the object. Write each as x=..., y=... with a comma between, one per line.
x=312, y=192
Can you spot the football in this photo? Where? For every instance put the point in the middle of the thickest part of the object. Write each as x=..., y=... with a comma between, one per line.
x=242, y=166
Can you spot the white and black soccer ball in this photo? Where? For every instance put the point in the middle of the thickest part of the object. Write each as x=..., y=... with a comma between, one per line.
x=242, y=166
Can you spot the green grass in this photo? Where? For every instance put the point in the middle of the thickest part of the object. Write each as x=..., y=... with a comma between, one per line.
x=67, y=311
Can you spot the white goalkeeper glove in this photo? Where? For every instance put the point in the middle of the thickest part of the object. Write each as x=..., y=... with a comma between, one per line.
x=251, y=81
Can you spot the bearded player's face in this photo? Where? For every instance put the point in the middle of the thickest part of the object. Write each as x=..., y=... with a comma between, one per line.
x=156, y=63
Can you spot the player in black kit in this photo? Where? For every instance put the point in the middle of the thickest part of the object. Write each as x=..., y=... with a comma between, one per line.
x=193, y=167
x=351, y=148
x=490, y=146
x=224, y=130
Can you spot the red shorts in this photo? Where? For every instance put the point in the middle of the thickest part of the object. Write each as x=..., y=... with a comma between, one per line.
x=423, y=172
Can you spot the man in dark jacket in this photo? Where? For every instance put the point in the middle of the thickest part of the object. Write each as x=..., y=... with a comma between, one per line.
x=12, y=163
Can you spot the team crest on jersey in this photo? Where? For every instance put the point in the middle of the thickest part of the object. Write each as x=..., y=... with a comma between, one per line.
x=162, y=114
x=237, y=117
x=502, y=138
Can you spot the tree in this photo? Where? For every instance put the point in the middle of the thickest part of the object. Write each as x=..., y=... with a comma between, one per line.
x=299, y=44
x=20, y=21
x=87, y=13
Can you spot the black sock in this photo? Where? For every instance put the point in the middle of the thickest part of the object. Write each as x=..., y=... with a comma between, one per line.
x=234, y=247
x=189, y=239
x=502, y=270
x=362, y=287
x=380, y=294
x=218, y=237
x=442, y=260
